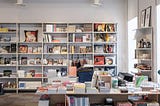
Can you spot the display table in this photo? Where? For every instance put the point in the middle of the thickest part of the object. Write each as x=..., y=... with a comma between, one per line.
x=98, y=98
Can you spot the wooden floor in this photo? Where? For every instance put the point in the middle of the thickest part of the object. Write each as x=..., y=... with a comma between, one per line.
x=21, y=99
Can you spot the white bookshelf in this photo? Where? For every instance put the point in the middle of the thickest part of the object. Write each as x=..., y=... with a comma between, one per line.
x=77, y=40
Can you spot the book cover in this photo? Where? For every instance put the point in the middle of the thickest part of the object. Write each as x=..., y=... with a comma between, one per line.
x=23, y=60
x=49, y=28
x=31, y=35
x=56, y=49
x=13, y=48
x=30, y=50
x=98, y=49
x=99, y=60
x=63, y=50
x=34, y=49
x=72, y=72
x=23, y=48
x=7, y=73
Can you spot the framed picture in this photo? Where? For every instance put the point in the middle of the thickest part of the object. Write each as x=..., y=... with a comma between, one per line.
x=31, y=36
x=142, y=21
x=148, y=17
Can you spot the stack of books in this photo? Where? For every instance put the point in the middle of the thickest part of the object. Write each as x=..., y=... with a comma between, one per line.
x=69, y=87
x=124, y=104
x=61, y=90
x=79, y=88
x=92, y=90
x=103, y=89
x=52, y=90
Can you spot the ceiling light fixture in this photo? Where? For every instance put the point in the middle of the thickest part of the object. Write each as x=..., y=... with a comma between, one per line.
x=97, y=3
x=20, y=3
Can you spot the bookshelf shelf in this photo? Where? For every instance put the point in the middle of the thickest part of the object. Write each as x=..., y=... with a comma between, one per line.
x=7, y=42
x=55, y=42
x=105, y=53
x=8, y=32
x=30, y=42
x=8, y=65
x=7, y=53
x=9, y=89
x=79, y=32
x=105, y=43
x=105, y=65
x=29, y=65
x=30, y=53
x=106, y=32
x=143, y=48
x=55, y=65
x=55, y=32
x=29, y=77
x=8, y=77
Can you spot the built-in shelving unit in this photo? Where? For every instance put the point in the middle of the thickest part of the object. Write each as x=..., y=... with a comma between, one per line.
x=38, y=51
x=143, y=51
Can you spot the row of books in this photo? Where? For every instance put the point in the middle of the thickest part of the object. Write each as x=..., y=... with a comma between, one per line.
x=55, y=49
x=102, y=37
x=98, y=27
x=8, y=61
x=28, y=74
x=55, y=28
x=79, y=37
x=102, y=27
x=59, y=72
x=26, y=49
x=29, y=61
x=102, y=60
x=80, y=49
x=11, y=48
x=29, y=84
x=104, y=48
x=77, y=101
x=50, y=61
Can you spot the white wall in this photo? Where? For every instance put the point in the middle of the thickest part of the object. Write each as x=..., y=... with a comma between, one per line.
x=132, y=9
x=132, y=25
x=71, y=11
x=158, y=1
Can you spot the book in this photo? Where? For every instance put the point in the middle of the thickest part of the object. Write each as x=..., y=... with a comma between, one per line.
x=56, y=49
x=110, y=60
x=39, y=50
x=82, y=49
x=71, y=28
x=49, y=28
x=49, y=38
x=99, y=60
x=21, y=73
x=99, y=27
x=7, y=73
x=110, y=27
x=98, y=49
x=34, y=49
x=23, y=49
x=31, y=35
x=109, y=48
x=13, y=48
x=38, y=61
x=72, y=72
x=23, y=60
x=30, y=50
x=63, y=50
x=31, y=62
